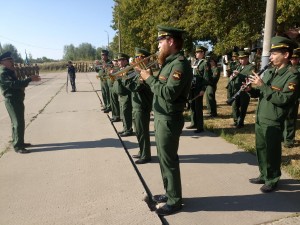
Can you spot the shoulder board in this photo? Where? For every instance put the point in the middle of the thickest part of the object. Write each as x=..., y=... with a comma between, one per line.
x=180, y=58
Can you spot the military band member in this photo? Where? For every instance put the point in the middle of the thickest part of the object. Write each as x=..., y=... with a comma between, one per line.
x=103, y=75
x=141, y=107
x=114, y=97
x=232, y=64
x=202, y=74
x=170, y=88
x=238, y=77
x=211, y=88
x=124, y=97
x=277, y=91
x=290, y=123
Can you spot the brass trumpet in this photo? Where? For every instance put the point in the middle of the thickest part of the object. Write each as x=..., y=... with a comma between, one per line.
x=140, y=63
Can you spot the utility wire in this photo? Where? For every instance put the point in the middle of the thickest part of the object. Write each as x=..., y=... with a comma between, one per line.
x=34, y=46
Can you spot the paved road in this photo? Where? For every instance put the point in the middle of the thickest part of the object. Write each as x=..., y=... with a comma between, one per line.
x=80, y=172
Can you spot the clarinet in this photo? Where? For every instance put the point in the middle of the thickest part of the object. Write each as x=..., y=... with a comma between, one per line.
x=243, y=87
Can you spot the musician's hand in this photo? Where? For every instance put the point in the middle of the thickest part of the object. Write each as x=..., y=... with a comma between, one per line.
x=35, y=78
x=235, y=72
x=255, y=79
x=145, y=74
x=247, y=85
x=201, y=93
x=137, y=69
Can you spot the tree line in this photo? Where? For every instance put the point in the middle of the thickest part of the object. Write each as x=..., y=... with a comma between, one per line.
x=84, y=52
x=225, y=24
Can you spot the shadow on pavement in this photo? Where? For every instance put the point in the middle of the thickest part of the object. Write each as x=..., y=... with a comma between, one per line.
x=287, y=189
x=103, y=143
x=236, y=157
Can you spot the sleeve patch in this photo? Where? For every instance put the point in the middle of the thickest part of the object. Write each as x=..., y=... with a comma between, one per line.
x=162, y=77
x=177, y=75
x=292, y=86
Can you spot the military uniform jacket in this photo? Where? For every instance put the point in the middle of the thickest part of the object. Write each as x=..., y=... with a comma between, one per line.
x=236, y=82
x=171, y=86
x=71, y=70
x=216, y=76
x=112, y=78
x=119, y=86
x=202, y=75
x=232, y=66
x=142, y=95
x=104, y=70
x=10, y=86
x=276, y=95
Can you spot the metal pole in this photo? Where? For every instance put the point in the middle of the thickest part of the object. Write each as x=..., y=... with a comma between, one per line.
x=119, y=32
x=107, y=40
x=268, y=31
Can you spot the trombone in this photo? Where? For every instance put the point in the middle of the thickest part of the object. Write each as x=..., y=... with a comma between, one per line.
x=141, y=63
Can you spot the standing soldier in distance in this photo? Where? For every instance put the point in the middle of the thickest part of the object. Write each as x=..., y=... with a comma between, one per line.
x=72, y=75
x=141, y=107
x=277, y=91
x=202, y=72
x=13, y=91
x=171, y=88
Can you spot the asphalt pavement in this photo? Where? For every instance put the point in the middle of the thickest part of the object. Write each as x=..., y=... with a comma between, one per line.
x=80, y=172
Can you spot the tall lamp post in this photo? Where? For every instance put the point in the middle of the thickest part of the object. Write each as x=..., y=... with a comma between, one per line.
x=107, y=40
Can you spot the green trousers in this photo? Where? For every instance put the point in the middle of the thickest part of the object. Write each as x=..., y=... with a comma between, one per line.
x=16, y=109
x=290, y=124
x=105, y=94
x=268, y=151
x=141, y=121
x=167, y=134
x=126, y=112
x=197, y=111
x=114, y=103
x=211, y=103
x=239, y=108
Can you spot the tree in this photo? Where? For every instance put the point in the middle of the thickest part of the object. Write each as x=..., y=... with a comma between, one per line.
x=14, y=52
x=69, y=52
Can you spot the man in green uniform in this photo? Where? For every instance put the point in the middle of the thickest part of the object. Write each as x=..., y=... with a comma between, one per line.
x=232, y=64
x=238, y=77
x=290, y=123
x=124, y=97
x=202, y=74
x=141, y=107
x=257, y=58
x=13, y=91
x=211, y=89
x=277, y=91
x=105, y=64
x=114, y=97
x=170, y=88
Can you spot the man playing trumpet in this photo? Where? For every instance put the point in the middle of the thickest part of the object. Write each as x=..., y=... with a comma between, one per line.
x=141, y=107
x=170, y=89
